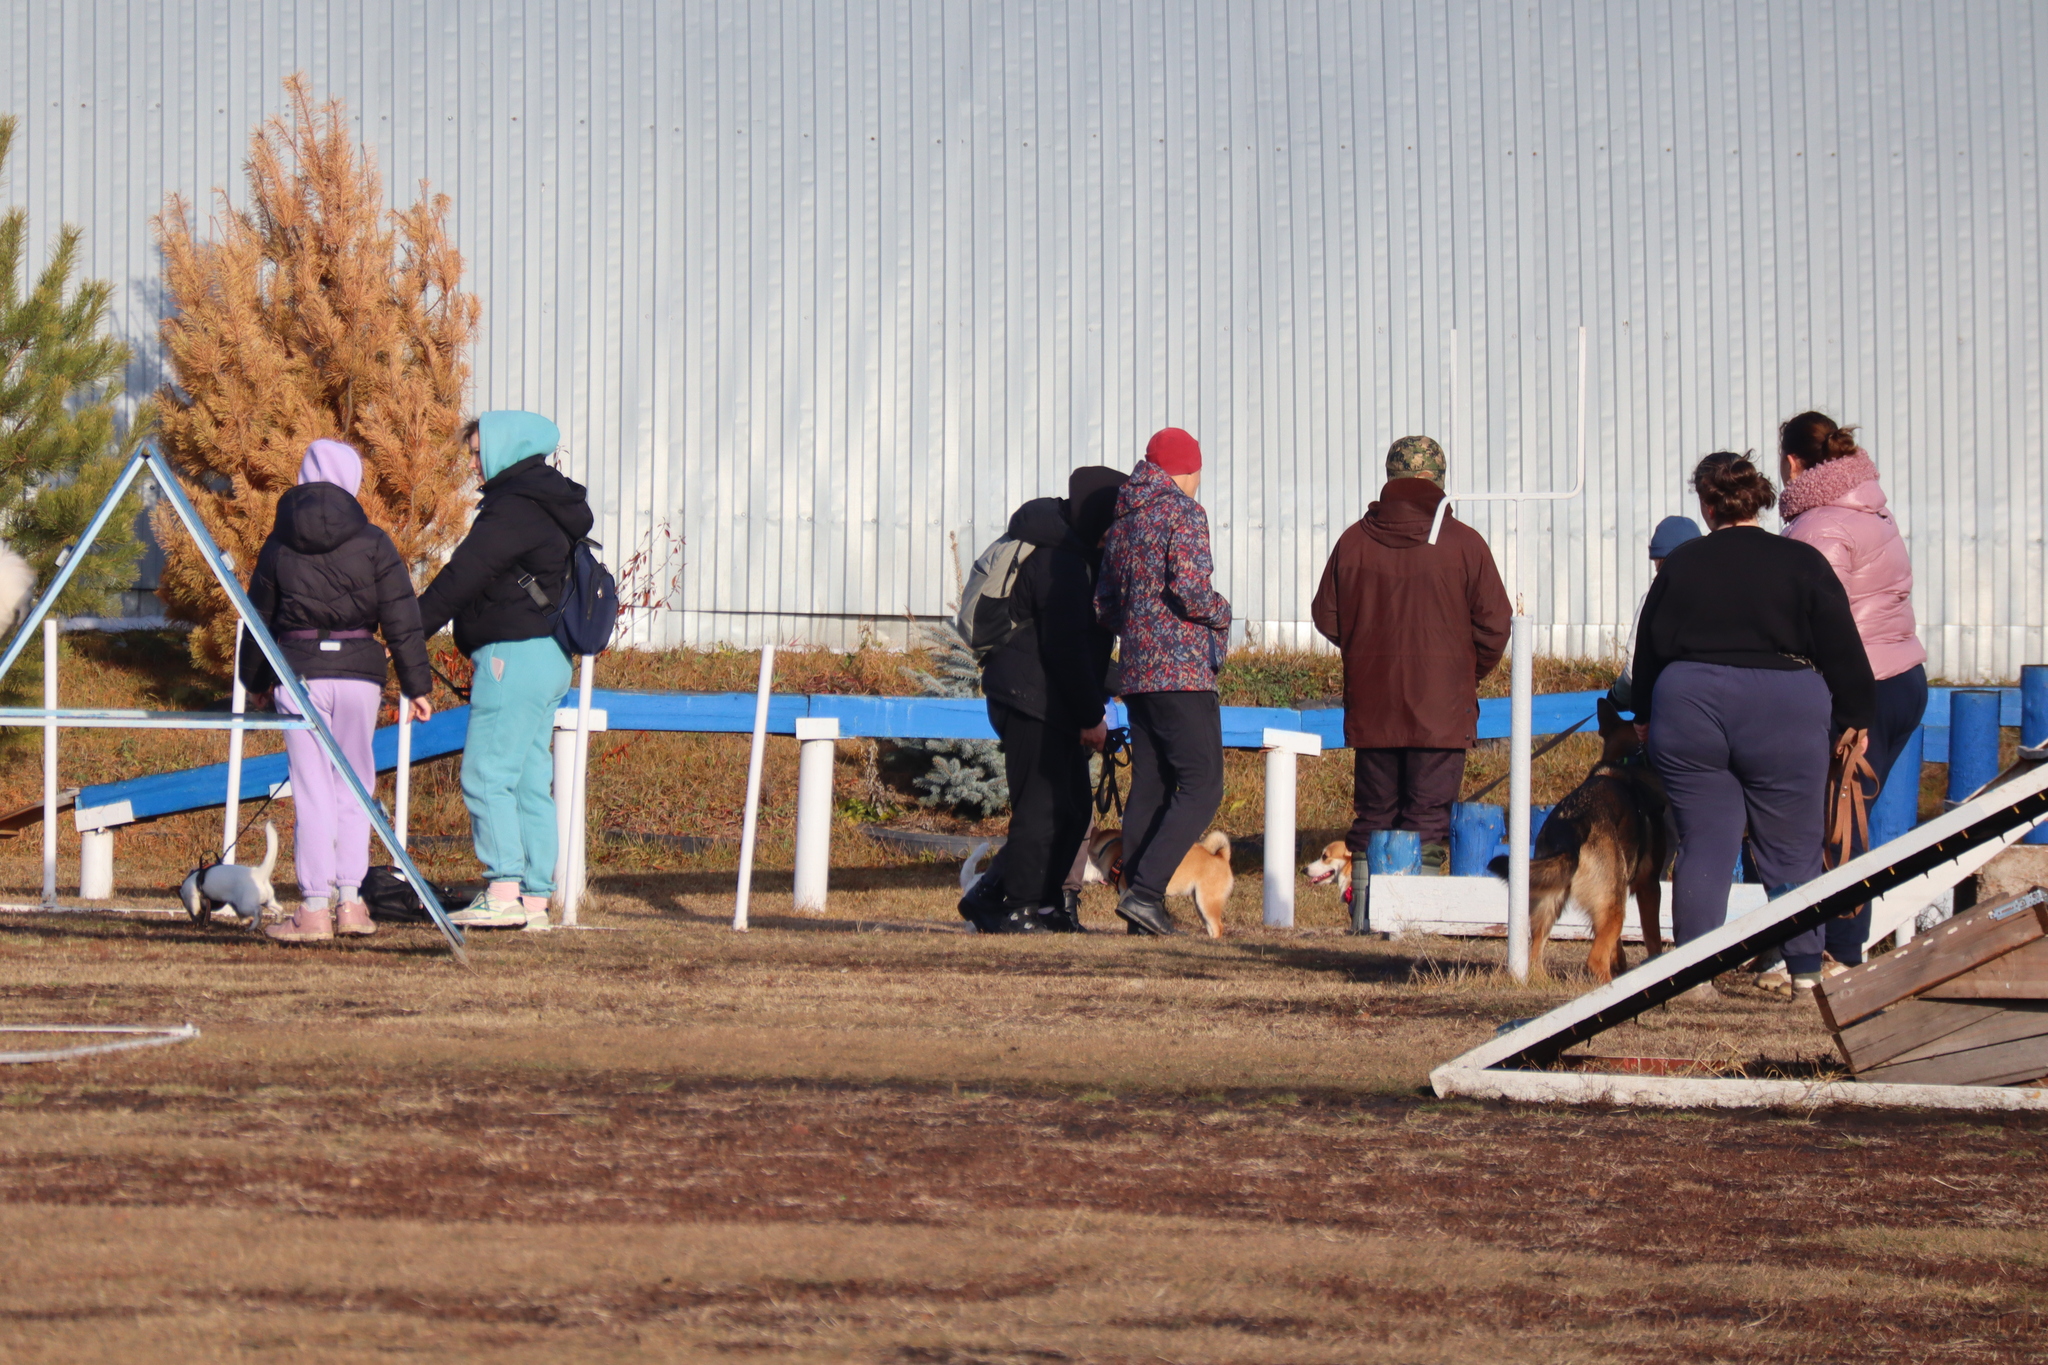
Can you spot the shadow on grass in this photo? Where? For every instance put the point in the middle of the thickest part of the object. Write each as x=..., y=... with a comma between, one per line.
x=73, y=925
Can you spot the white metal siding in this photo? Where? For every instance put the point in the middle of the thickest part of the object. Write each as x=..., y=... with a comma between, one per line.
x=828, y=285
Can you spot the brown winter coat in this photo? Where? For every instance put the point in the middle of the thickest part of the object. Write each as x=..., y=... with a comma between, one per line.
x=1418, y=624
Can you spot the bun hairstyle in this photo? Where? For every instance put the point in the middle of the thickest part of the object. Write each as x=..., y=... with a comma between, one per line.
x=1732, y=488
x=1813, y=438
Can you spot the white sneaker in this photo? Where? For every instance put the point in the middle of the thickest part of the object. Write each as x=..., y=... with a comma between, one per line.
x=485, y=913
x=536, y=921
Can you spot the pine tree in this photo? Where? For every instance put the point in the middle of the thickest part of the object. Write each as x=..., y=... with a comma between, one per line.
x=966, y=775
x=60, y=377
x=316, y=314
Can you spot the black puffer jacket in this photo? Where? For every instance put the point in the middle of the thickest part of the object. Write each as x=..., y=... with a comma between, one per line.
x=1052, y=668
x=325, y=567
x=529, y=521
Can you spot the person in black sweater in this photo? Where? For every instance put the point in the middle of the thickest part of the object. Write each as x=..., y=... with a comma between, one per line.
x=1747, y=661
x=325, y=582
x=1046, y=700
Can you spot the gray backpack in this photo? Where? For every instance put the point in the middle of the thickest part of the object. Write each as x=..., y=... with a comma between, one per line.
x=984, y=619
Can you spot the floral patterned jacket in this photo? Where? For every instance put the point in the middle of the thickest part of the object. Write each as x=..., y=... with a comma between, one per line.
x=1154, y=592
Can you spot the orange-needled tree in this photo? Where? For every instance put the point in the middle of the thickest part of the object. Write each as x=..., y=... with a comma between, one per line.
x=314, y=312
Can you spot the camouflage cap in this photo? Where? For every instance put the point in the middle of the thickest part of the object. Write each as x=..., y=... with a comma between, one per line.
x=1416, y=457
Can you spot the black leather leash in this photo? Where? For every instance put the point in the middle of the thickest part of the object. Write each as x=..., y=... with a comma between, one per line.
x=1107, y=796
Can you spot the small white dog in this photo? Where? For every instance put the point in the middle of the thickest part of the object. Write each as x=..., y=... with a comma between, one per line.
x=245, y=890
x=17, y=589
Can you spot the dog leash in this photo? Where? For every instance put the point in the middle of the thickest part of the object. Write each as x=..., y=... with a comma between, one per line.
x=247, y=825
x=1107, y=796
x=1848, y=803
x=1555, y=740
x=449, y=682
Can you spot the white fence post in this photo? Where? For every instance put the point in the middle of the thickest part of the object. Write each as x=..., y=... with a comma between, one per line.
x=401, y=798
x=49, y=762
x=817, y=742
x=1522, y=684
x=570, y=818
x=579, y=797
x=240, y=705
x=744, y=892
x=1283, y=749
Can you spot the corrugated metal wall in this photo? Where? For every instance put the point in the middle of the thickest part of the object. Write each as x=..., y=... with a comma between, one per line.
x=826, y=286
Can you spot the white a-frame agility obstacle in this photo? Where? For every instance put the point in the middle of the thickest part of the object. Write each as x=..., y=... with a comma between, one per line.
x=150, y=458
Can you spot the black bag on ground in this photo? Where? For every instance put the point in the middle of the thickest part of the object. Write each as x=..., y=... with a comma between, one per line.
x=392, y=901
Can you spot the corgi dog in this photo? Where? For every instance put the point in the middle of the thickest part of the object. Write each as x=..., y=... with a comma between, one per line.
x=1334, y=865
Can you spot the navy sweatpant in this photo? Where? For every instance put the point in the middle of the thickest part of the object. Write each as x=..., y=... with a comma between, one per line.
x=1901, y=705
x=1739, y=746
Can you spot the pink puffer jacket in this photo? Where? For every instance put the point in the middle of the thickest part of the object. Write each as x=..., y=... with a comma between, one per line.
x=1839, y=509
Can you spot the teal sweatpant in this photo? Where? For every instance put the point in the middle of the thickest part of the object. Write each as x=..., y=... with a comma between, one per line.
x=508, y=767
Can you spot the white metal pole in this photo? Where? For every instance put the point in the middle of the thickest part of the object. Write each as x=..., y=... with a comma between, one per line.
x=49, y=763
x=1280, y=791
x=240, y=705
x=565, y=781
x=401, y=801
x=1522, y=683
x=746, y=886
x=817, y=741
x=579, y=798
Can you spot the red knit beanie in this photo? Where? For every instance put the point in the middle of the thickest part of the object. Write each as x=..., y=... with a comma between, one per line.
x=1174, y=451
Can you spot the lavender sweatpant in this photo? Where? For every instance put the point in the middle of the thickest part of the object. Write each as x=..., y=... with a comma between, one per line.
x=1740, y=746
x=333, y=831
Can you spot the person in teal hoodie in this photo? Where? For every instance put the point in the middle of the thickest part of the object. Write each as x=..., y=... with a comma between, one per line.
x=496, y=589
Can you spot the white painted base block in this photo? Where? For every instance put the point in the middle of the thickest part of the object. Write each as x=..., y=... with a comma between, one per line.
x=1477, y=907
x=95, y=864
x=1707, y=1092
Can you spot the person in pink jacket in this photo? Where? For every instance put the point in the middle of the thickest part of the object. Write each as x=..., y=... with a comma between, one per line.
x=1833, y=502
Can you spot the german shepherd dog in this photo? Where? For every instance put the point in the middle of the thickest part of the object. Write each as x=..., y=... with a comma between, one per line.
x=1602, y=842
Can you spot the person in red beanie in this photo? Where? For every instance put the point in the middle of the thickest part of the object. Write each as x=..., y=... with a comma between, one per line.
x=1172, y=625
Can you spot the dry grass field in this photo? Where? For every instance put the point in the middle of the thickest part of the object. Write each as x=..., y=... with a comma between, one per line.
x=871, y=1137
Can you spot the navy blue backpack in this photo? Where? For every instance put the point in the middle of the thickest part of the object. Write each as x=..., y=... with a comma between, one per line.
x=589, y=609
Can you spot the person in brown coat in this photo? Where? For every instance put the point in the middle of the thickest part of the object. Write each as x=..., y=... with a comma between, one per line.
x=1419, y=625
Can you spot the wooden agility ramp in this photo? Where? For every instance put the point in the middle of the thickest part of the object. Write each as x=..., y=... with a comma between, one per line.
x=1527, y=1061
x=1966, y=1004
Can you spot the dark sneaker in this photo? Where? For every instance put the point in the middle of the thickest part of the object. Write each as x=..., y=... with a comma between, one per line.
x=1066, y=918
x=1029, y=919
x=1145, y=916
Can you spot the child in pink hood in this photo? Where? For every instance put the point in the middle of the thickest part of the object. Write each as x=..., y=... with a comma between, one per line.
x=1833, y=502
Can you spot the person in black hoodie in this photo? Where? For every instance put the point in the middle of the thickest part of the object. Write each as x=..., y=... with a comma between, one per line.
x=325, y=582
x=499, y=588
x=1046, y=696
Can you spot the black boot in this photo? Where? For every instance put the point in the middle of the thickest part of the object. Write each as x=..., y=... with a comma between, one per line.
x=1360, y=896
x=1145, y=916
x=1067, y=918
x=1026, y=919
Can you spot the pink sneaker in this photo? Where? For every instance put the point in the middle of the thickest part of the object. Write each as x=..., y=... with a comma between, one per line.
x=308, y=926
x=354, y=919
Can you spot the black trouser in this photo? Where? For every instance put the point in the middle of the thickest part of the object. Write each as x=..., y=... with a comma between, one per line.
x=1901, y=704
x=1411, y=789
x=1047, y=769
x=1176, y=783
